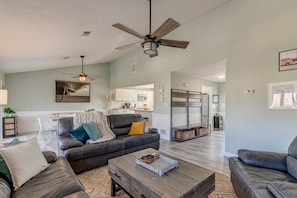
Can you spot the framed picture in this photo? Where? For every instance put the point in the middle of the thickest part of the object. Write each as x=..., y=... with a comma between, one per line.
x=67, y=91
x=282, y=95
x=288, y=60
x=215, y=99
x=142, y=97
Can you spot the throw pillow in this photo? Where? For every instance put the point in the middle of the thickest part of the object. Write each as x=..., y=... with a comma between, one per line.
x=292, y=166
x=92, y=131
x=282, y=189
x=24, y=161
x=3, y=166
x=79, y=134
x=137, y=128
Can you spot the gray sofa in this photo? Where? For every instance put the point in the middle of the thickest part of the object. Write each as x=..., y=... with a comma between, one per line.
x=58, y=180
x=265, y=174
x=84, y=157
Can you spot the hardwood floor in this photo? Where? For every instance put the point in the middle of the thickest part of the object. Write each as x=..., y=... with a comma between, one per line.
x=207, y=151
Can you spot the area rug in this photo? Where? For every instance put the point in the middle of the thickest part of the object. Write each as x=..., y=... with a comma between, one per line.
x=97, y=184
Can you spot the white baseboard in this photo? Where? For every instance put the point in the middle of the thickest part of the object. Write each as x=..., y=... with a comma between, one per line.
x=227, y=154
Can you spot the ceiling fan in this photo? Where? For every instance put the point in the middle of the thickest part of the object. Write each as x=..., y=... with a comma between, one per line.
x=153, y=40
x=83, y=76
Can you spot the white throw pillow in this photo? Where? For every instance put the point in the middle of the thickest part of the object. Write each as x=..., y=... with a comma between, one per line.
x=24, y=161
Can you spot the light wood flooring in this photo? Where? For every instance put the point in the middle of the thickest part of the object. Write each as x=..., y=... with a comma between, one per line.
x=207, y=151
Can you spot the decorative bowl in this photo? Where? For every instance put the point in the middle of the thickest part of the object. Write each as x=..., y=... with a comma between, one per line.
x=150, y=158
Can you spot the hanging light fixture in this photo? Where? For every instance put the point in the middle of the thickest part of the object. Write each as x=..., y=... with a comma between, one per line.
x=82, y=76
x=150, y=47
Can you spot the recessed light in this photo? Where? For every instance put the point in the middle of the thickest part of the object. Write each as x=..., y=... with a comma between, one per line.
x=66, y=57
x=221, y=77
x=86, y=33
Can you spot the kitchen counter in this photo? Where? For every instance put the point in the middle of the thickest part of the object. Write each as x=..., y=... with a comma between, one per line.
x=144, y=110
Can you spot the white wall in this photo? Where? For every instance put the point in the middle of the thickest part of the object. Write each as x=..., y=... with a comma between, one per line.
x=249, y=35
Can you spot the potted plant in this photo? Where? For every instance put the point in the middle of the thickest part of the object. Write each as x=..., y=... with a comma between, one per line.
x=9, y=111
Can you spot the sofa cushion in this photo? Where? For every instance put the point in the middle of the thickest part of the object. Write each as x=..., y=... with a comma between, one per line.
x=93, y=150
x=24, y=161
x=66, y=142
x=276, y=161
x=5, y=191
x=3, y=166
x=65, y=125
x=79, y=134
x=283, y=189
x=292, y=150
x=120, y=124
x=137, y=128
x=58, y=180
x=134, y=141
x=292, y=166
x=92, y=131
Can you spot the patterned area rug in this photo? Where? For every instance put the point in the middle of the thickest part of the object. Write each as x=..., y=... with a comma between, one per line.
x=97, y=184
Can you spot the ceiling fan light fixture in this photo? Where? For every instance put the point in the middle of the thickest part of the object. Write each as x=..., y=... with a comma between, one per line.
x=82, y=77
x=150, y=47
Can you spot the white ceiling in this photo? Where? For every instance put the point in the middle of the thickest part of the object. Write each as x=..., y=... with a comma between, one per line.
x=36, y=35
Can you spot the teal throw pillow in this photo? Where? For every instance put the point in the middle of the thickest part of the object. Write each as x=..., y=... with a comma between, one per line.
x=80, y=134
x=92, y=131
x=3, y=167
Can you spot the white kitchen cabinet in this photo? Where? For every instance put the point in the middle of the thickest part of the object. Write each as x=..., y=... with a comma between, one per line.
x=121, y=95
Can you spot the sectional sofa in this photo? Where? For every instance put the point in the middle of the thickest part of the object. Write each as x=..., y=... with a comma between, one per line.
x=262, y=174
x=84, y=157
x=58, y=180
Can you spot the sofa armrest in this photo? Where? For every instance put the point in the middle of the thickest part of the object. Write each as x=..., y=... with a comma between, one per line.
x=276, y=161
x=50, y=156
x=283, y=189
x=5, y=187
x=65, y=142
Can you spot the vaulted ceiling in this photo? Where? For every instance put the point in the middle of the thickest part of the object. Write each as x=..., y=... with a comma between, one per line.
x=37, y=35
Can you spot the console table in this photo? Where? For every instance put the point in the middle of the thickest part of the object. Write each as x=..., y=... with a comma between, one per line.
x=9, y=125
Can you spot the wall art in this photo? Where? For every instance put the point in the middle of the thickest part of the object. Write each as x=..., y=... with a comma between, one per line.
x=67, y=91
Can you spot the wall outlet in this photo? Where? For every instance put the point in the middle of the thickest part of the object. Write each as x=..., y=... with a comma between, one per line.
x=162, y=131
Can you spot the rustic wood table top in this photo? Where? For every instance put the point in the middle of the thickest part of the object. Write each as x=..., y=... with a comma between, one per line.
x=187, y=180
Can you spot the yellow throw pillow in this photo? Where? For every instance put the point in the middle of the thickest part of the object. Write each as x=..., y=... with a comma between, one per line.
x=137, y=128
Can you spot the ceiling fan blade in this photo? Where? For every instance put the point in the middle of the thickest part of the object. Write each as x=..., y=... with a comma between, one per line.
x=128, y=30
x=168, y=26
x=173, y=43
x=91, y=78
x=127, y=46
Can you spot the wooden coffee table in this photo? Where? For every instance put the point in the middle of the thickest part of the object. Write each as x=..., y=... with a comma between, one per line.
x=187, y=180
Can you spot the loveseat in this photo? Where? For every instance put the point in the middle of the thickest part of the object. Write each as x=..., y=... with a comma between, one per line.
x=57, y=180
x=265, y=174
x=84, y=157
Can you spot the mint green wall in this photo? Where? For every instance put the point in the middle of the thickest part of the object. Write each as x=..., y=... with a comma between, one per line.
x=249, y=35
x=35, y=91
